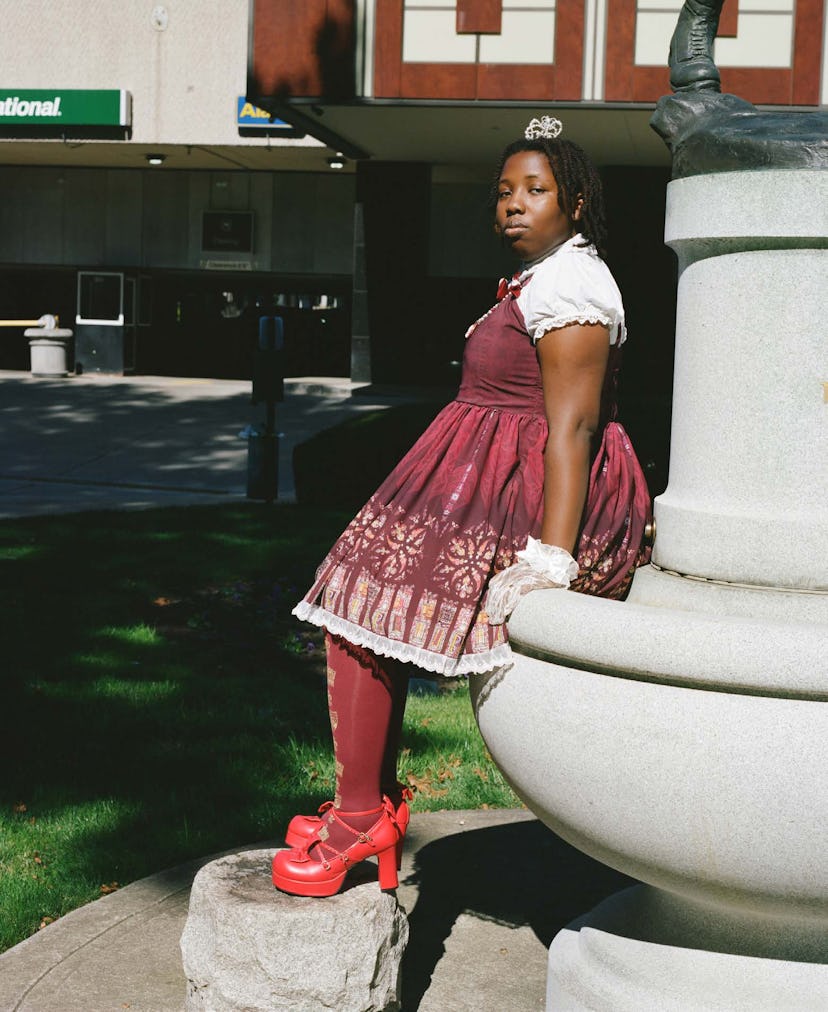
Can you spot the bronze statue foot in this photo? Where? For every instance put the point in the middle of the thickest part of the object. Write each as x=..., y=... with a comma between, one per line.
x=691, y=47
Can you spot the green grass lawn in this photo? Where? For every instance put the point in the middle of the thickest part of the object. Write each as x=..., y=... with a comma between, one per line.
x=159, y=702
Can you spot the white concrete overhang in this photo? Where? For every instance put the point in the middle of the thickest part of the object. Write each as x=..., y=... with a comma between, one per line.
x=459, y=140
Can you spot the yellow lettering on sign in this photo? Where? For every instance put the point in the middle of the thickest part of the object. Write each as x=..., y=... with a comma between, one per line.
x=248, y=109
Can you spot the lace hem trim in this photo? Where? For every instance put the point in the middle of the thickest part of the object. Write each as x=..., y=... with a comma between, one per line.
x=428, y=660
x=587, y=315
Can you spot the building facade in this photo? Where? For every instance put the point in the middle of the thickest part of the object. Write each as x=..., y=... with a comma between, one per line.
x=770, y=51
x=170, y=170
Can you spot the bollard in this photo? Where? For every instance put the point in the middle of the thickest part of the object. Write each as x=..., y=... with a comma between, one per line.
x=262, y=466
x=268, y=387
x=48, y=345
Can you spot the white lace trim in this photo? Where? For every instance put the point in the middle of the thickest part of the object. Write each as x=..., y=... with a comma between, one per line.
x=426, y=659
x=583, y=317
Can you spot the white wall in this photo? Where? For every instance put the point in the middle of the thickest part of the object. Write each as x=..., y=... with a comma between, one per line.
x=183, y=79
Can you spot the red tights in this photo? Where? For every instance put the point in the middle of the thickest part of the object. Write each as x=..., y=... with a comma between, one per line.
x=366, y=701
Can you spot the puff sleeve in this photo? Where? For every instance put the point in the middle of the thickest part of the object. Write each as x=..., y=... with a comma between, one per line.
x=572, y=286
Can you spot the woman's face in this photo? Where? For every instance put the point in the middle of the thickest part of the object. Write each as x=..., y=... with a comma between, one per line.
x=528, y=215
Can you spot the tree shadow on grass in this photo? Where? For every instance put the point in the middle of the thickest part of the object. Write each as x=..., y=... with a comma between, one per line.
x=140, y=730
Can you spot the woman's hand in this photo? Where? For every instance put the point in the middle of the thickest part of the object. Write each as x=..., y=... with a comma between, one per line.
x=538, y=567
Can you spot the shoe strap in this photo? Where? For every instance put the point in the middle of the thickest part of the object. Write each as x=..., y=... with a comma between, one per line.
x=361, y=835
x=341, y=816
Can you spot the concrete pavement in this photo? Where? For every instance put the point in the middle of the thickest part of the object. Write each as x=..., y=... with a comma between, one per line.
x=485, y=892
x=113, y=442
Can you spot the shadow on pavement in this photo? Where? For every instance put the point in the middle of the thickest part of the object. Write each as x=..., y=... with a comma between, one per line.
x=517, y=874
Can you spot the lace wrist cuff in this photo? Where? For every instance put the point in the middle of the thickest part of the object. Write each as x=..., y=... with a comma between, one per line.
x=555, y=563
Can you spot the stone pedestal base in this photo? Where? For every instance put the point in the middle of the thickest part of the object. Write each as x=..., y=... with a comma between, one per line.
x=719, y=804
x=247, y=946
x=682, y=736
x=611, y=961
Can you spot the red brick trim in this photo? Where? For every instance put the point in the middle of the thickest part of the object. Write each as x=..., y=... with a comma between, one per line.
x=491, y=81
x=624, y=82
x=729, y=20
x=481, y=17
x=388, y=48
x=808, y=24
x=302, y=50
x=437, y=80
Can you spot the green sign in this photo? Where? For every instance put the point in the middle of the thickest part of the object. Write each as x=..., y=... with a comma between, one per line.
x=65, y=107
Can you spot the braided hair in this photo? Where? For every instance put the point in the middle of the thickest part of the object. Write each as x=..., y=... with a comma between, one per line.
x=576, y=177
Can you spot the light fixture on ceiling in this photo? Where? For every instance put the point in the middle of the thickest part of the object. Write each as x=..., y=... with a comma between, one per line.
x=156, y=159
x=338, y=161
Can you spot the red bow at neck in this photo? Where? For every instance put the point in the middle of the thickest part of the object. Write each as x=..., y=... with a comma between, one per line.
x=509, y=287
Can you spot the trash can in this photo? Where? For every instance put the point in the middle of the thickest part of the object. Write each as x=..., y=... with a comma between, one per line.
x=48, y=348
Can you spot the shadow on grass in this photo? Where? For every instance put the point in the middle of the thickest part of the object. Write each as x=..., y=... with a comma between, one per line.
x=159, y=702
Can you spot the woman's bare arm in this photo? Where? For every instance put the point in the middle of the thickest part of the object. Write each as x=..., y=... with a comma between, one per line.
x=573, y=362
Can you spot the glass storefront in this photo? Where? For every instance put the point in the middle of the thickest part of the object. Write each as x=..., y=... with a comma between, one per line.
x=193, y=323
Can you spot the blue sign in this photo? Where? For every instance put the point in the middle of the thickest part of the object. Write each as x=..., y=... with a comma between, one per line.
x=249, y=115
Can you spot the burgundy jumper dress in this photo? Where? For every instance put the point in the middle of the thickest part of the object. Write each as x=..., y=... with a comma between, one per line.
x=407, y=578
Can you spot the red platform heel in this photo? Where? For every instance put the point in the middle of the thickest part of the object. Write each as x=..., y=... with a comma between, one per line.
x=303, y=828
x=296, y=872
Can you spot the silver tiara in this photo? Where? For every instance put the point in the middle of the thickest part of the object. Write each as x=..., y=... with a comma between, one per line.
x=546, y=126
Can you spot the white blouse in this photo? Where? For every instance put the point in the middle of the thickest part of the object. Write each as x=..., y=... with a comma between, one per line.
x=571, y=285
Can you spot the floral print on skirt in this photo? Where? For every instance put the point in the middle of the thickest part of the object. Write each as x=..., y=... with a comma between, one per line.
x=408, y=576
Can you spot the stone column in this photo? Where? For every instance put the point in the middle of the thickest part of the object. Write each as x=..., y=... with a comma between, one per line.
x=746, y=500
x=682, y=736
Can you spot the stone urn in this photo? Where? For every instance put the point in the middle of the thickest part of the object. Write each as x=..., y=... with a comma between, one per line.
x=681, y=736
